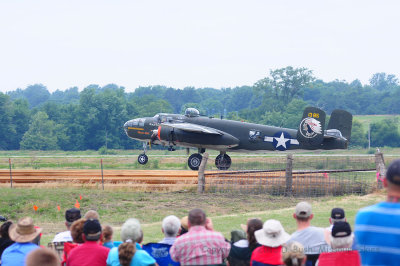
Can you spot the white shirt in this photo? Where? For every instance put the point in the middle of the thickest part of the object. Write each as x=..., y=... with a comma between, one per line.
x=168, y=240
x=63, y=237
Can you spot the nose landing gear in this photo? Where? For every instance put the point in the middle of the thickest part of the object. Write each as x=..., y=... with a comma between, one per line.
x=142, y=158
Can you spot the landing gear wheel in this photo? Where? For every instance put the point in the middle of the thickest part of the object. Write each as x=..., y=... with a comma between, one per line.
x=223, y=162
x=194, y=161
x=142, y=158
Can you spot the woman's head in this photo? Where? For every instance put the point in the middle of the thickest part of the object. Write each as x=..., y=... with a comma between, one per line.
x=252, y=226
x=4, y=229
x=77, y=230
x=107, y=233
x=131, y=230
x=130, y=233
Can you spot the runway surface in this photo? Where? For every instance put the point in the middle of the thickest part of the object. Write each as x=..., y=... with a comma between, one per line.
x=146, y=179
x=135, y=180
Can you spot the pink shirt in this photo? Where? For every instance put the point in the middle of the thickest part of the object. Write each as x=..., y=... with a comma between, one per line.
x=89, y=253
x=200, y=247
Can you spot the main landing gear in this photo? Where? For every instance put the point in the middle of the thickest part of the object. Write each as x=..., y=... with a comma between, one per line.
x=222, y=162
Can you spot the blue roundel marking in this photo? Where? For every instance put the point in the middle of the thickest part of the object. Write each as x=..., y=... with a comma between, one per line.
x=281, y=140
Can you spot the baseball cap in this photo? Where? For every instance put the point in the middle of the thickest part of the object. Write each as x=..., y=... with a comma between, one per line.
x=303, y=209
x=92, y=229
x=393, y=172
x=71, y=215
x=337, y=213
x=341, y=229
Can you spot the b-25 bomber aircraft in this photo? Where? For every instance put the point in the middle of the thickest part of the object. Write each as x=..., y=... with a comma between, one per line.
x=195, y=131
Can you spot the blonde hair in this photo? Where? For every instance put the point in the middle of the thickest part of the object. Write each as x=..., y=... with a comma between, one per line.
x=293, y=254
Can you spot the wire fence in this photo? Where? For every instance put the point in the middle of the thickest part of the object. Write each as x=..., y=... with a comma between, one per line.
x=313, y=176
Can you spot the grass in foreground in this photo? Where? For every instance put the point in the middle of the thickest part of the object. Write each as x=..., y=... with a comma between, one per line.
x=228, y=211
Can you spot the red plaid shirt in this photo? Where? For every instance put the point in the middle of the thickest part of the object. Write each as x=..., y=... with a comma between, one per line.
x=200, y=246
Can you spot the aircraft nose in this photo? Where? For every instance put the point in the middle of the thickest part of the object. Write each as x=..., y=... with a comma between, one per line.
x=128, y=124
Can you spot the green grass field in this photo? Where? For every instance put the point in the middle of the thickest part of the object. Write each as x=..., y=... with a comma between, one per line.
x=227, y=211
x=177, y=160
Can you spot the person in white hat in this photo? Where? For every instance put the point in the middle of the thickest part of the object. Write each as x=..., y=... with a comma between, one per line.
x=272, y=236
x=25, y=235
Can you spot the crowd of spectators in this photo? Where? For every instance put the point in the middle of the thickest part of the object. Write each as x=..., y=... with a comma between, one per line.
x=192, y=239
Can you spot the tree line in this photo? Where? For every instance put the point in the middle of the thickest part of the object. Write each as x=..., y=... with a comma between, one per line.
x=33, y=118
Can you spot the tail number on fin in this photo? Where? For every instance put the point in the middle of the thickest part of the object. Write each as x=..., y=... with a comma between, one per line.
x=310, y=127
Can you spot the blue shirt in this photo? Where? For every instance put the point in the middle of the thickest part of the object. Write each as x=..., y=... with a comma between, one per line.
x=377, y=232
x=141, y=257
x=15, y=254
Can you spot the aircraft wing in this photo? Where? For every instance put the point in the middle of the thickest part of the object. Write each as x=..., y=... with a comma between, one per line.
x=193, y=128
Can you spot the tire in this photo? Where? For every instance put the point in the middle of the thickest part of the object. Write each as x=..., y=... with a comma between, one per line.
x=142, y=158
x=223, y=162
x=194, y=161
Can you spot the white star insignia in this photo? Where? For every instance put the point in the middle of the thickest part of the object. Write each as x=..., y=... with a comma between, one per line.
x=281, y=141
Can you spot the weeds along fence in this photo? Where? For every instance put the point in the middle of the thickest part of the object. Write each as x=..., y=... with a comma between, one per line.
x=301, y=176
x=303, y=183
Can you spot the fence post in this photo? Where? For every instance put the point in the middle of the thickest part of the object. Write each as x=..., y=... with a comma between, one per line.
x=289, y=175
x=380, y=168
x=201, y=180
x=102, y=176
x=9, y=162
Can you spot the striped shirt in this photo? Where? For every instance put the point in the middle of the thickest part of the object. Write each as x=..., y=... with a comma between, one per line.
x=377, y=232
x=200, y=247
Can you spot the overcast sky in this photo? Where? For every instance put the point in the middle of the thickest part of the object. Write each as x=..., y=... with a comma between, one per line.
x=201, y=43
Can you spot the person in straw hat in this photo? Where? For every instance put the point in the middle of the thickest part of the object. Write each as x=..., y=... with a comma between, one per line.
x=25, y=235
x=272, y=236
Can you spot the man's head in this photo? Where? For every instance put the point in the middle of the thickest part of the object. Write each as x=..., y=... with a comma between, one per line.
x=197, y=217
x=42, y=257
x=337, y=215
x=92, y=214
x=171, y=225
x=392, y=179
x=341, y=236
x=92, y=230
x=24, y=231
x=303, y=212
x=71, y=215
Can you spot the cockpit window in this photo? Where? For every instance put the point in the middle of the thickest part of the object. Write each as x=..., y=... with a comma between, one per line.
x=135, y=122
x=192, y=112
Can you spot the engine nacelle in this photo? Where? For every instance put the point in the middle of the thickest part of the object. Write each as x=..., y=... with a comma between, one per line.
x=174, y=135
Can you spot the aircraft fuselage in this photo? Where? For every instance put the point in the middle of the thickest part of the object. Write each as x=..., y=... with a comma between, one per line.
x=235, y=135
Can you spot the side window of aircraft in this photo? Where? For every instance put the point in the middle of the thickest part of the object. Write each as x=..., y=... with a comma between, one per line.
x=141, y=122
x=254, y=135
